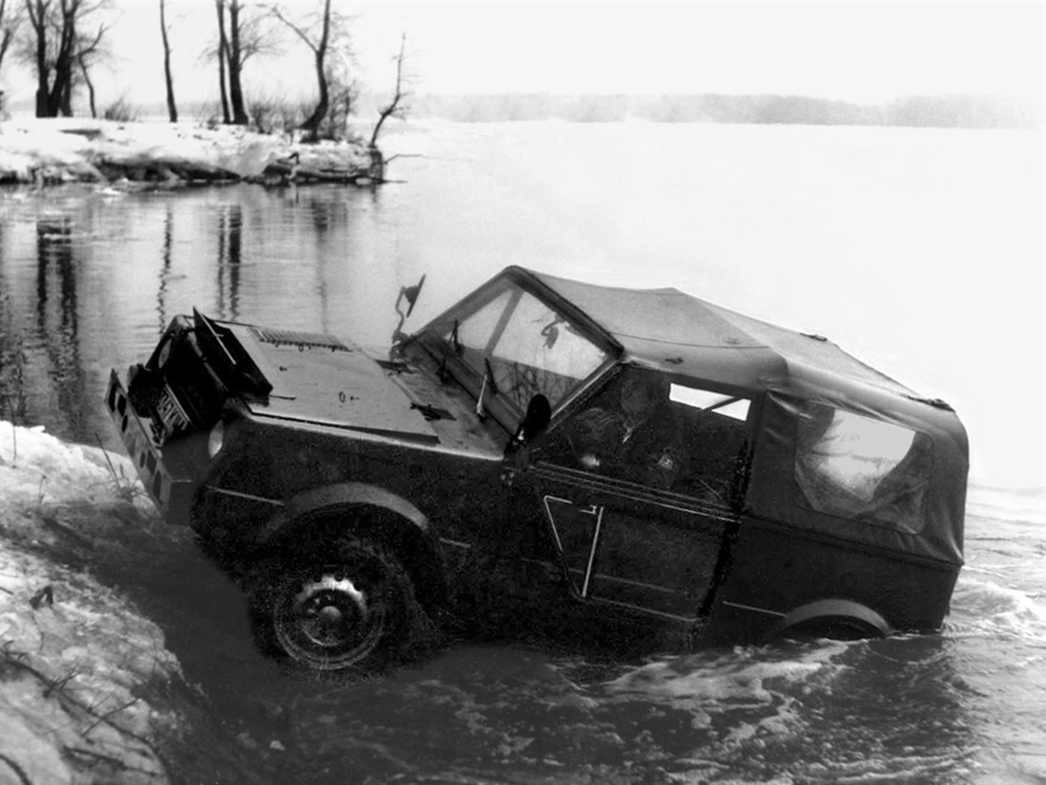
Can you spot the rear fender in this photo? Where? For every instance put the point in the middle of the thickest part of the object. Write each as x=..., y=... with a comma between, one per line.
x=366, y=510
x=833, y=618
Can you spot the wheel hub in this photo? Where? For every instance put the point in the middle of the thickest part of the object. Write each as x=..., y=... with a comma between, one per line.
x=330, y=620
x=330, y=610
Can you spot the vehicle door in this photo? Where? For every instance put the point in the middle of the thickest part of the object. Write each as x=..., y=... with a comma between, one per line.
x=638, y=526
x=623, y=545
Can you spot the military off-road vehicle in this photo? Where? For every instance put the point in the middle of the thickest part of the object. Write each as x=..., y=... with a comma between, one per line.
x=633, y=463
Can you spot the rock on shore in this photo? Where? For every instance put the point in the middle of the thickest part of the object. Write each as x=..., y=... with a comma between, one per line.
x=86, y=682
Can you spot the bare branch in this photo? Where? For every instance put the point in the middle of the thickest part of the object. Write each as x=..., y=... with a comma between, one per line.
x=296, y=29
x=57, y=50
x=11, y=16
x=319, y=35
x=393, y=108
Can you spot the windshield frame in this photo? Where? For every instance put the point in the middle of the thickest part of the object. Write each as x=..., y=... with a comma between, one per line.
x=440, y=339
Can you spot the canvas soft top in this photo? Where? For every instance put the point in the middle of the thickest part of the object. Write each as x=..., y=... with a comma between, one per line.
x=690, y=338
x=686, y=336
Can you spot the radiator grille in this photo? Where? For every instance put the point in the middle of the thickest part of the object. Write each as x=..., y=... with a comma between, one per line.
x=297, y=338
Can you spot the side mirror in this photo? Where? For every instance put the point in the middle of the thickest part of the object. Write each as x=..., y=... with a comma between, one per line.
x=539, y=413
x=410, y=294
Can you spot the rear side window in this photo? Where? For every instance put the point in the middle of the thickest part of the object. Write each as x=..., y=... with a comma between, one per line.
x=854, y=466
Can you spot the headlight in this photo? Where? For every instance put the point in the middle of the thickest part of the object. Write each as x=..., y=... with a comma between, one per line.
x=165, y=352
x=216, y=439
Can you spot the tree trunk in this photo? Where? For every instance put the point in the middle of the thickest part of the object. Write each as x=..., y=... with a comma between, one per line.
x=235, y=66
x=60, y=99
x=172, y=109
x=7, y=35
x=223, y=49
x=38, y=19
x=65, y=101
x=390, y=110
x=312, y=124
x=90, y=88
x=235, y=63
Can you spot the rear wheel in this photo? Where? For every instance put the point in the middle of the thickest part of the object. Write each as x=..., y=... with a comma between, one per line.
x=832, y=618
x=352, y=607
x=837, y=629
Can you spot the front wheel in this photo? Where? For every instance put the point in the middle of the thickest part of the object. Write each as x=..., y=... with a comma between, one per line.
x=351, y=608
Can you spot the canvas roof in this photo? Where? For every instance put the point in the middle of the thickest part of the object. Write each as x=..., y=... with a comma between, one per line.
x=684, y=335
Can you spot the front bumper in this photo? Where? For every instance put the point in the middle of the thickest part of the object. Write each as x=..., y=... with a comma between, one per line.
x=170, y=489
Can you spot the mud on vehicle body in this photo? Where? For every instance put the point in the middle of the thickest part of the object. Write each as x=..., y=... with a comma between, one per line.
x=636, y=464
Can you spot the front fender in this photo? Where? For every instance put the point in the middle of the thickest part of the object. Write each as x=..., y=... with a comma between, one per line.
x=370, y=509
x=305, y=506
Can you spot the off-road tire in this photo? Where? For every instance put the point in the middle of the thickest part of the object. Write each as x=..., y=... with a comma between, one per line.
x=348, y=607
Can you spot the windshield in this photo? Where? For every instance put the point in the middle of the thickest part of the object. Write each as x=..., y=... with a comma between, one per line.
x=519, y=345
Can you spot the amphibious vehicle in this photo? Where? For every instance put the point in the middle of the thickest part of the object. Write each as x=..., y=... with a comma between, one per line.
x=632, y=465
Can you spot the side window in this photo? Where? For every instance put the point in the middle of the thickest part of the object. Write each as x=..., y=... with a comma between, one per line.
x=717, y=432
x=647, y=430
x=853, y=466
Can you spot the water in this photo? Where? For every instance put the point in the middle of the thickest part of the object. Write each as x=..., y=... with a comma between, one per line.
x=918, y=250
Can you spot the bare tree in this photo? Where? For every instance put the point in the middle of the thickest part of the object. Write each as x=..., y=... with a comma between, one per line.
x=53, y=48
x=319, y=34
x=344, y=93
x=395, y=107
x=223, y=46
x=245, y=36
x=172, y=109
x=38, y=11
x=236, y=55
x=10, y=20
x=87, y=51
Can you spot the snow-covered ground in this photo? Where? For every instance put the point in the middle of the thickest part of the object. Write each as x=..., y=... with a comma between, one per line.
x=85, y=679
x=75, y=149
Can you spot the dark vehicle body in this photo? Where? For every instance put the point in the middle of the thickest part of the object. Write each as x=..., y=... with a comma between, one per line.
x=632, y=464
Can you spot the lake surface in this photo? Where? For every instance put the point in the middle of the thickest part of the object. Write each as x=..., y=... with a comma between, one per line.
x=918, y=250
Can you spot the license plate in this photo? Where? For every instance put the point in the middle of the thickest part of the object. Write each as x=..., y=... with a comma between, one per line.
x=170, y=411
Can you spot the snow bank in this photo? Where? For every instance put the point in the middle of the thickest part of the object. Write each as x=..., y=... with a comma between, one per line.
x=74, y=149
x=82, y=674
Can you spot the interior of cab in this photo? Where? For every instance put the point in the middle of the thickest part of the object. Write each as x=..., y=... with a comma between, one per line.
x=642, y=428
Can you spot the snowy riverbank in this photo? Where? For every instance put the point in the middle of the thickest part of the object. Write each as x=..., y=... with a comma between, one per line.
x=88, y=690
x=62, y=150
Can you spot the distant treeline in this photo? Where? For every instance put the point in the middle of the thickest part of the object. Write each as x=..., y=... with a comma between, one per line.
x=949, y=111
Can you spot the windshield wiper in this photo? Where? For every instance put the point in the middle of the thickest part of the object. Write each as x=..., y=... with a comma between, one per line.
x=490, y=376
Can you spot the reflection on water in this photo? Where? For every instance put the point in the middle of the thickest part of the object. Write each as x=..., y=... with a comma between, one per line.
x=58, y=316
x=165, y=269
x=230, y=224
x=90, y=281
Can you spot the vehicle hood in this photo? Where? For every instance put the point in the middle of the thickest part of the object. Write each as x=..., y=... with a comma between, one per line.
x=322, y=380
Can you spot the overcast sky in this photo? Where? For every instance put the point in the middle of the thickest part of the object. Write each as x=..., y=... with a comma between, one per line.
x=848, y=50
x=838, y=49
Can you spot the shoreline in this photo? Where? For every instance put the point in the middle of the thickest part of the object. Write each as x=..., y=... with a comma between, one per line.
x=166, y=156
x=89, y=691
